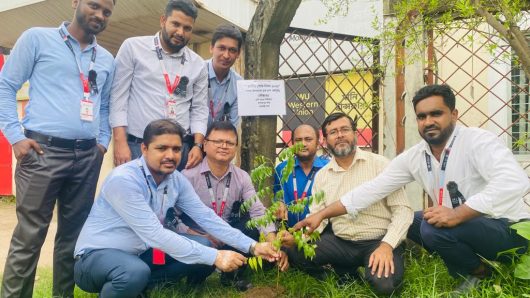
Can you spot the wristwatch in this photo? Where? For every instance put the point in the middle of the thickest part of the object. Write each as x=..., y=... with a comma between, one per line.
x=200, y=145
x=252, y=248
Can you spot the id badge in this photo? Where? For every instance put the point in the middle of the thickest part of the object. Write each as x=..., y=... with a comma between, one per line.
x=87, y=110
x=171, y=109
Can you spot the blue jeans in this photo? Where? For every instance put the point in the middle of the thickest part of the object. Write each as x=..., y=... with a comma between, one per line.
x=115, y=273
x=461, y=246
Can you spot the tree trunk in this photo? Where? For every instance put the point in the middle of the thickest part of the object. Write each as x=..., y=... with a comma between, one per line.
x=262, y=52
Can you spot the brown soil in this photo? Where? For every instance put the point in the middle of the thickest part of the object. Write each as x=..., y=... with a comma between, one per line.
x=265, y=292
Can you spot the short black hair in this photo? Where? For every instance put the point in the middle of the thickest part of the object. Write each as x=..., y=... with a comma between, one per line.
x=336, y=116
x=230, y=31
x=186, y=6
x=223, y=126
x=317, y=134
x=161, y=127
x=440, y=90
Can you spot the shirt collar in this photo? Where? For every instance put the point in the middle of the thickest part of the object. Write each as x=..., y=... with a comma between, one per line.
x=204, y=168
x=178, y=54
x=211, y=73
x=65, y=30
x=426, y=148
x=359, y=155
x=141, y=161
x=318, y=162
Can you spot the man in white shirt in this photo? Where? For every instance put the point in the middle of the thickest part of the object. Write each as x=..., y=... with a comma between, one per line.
x=487, y=175
x=157, y=77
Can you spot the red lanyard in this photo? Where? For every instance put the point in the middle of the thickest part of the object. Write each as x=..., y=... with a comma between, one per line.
x=212, y=196
x=170, y=88
x=441, y=178
x=84, y=80
x=307, y=184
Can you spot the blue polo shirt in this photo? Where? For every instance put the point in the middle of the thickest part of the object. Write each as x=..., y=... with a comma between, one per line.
x=301, y=181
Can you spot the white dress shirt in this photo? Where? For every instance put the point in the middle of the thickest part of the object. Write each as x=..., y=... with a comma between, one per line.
x=485, y=170
x=139, y=92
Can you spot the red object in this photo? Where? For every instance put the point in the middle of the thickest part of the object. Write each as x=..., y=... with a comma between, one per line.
x=159, y=257
x=6, y=162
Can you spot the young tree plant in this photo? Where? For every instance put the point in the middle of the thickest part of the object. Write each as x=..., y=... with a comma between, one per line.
x=261, y=175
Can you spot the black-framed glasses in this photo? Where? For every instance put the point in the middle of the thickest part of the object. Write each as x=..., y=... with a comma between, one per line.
x=220, y=143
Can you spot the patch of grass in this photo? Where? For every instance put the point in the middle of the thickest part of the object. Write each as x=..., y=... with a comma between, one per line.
x=425, y=276
x=7, y=200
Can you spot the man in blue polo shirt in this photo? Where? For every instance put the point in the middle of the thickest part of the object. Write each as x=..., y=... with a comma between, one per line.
x=225, y=48
x=60, y=143
x=300, y=182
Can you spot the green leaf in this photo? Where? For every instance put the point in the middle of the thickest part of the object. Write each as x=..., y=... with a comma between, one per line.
x=260, y=262
x=522, y=270
x=523, y=229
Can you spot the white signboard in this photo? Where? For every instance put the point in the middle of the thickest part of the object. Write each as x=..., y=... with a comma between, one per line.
x=260, y=97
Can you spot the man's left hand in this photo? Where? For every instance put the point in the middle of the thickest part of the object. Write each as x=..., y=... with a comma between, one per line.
x=266, y=251
x=441, y=217
x=382, y=260
x=194, y=157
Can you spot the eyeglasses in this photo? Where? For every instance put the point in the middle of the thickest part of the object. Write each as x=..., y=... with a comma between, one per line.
x=220, y=143
x=343, y=131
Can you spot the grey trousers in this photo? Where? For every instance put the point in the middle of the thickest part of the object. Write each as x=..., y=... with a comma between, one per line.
x=68, y=177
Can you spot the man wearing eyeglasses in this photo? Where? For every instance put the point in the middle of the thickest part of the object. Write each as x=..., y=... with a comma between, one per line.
x=373, y=239
x=222, y=80
x=224, y=187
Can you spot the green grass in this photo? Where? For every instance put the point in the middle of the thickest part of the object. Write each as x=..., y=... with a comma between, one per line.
x=425, y=276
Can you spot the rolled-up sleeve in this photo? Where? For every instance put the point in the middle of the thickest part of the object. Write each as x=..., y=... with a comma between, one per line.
x=121, y=85
x=199, y=103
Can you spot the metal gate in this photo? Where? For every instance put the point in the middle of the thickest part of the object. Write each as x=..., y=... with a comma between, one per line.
x=492, y=91
x=326, y=73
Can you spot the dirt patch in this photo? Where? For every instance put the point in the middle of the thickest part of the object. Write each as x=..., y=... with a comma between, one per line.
x=9, y=221
x=265, y=292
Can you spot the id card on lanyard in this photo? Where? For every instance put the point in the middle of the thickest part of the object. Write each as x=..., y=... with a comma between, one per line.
x=306, y=187
x=87, y=105
x=212, y=196
x=443, y=166
x=171, y=102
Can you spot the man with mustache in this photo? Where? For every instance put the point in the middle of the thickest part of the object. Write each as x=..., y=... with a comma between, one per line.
x=60, y=142
x=491, y=185
x=127, y=243
x=222, y=80
x=159, y=77
x=372, y=240
x=307, y=164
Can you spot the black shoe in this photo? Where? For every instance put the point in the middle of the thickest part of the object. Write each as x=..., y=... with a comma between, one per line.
x=470, y=282
x=236, y=280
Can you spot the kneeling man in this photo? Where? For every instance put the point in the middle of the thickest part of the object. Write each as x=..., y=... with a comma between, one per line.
x=125, y=246
x=372, y=240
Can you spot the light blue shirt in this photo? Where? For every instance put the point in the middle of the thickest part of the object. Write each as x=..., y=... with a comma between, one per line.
x=42, y=57
x=222, y=92
x=123, y=218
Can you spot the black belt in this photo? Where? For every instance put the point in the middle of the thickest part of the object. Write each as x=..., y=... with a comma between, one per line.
x=133, y=139
x=71, y=144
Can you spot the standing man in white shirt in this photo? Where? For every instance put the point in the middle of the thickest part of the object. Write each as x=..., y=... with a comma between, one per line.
x=489, y=179
x=159, y=77
x=222, y=80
